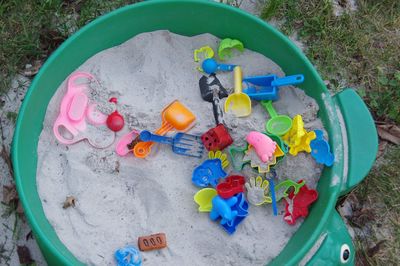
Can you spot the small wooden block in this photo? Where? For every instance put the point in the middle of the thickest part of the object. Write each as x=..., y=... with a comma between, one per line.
x=156, y=241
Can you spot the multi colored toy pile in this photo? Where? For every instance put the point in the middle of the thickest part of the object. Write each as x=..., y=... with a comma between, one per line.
x=226, y=196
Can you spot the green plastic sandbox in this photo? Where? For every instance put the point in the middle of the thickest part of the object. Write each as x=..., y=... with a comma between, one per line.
x=323, y=238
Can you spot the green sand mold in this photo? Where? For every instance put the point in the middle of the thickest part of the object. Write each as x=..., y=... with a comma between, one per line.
x=323, y=237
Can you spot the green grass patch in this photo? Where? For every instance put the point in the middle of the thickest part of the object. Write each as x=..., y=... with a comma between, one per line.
x=31, y=30
x=12, y=116
x=357, y=49
x=381, y=191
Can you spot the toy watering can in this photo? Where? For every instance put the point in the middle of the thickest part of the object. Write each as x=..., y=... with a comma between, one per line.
x=76, y=113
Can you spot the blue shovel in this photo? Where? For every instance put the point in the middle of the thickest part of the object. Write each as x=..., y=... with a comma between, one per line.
x=182, y=143
x=211, y=66
x=268, y=86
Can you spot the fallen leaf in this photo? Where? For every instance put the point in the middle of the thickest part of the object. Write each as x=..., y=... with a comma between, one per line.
x=361, y=217
x=117, y=166
x=390, y=133
x=381, y=147
x=4, y=154
x=29, y=236
x=20, y=209
x=50, y=39
x=74, y=4
x=9, y=194
x=342, y=3
x=131, y=145
x=24, y=255
x=375, y=249
x=361, y=260
x=69, y=201
x=33, y=69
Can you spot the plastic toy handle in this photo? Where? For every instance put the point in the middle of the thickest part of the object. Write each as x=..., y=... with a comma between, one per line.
x=269, y=108
x=238, y=76
x=272, y=189
x=217, y=110
x=71, y=81
x=146, y=135
x=61, y=138
x=288, y=80
x=225, y=67
x=362, y=137
x=142, y=149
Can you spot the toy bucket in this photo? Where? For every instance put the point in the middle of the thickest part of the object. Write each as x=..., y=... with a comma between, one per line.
x=322, y=238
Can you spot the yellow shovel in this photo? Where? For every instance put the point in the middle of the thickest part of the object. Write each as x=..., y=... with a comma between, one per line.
x=238, y=102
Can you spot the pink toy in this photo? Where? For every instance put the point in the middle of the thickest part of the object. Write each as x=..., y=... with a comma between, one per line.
x=125, y=144
x=76, y=111
x=264, y=145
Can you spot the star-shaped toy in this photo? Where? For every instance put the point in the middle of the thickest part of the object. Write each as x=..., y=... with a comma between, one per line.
x=298, y=138
x=255, y=161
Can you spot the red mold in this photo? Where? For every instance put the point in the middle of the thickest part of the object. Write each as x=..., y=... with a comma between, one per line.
x=300, y=204
x=217, y=138
x=231, y=186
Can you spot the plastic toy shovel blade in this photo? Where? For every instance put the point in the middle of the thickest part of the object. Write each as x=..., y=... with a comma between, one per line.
x=238, y=102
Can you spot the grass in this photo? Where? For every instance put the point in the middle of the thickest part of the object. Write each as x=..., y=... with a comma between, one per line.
x=5, y=254
x=381, y=192
x=31, y=30
x=357, y=49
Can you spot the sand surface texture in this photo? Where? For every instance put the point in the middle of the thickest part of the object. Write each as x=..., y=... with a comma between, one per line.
x=120, y=199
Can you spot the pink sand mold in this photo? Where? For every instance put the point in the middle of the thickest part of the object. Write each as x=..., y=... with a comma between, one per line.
x=76, y=111
x=122, y=148
x=264, y=145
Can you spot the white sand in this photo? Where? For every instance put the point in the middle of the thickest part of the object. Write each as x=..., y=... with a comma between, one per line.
x=120, y=199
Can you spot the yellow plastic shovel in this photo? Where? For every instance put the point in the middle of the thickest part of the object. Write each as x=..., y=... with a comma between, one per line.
x=238, y=102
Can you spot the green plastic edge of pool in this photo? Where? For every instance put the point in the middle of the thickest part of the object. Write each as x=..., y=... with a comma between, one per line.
x=362, y=137
x=119, y=26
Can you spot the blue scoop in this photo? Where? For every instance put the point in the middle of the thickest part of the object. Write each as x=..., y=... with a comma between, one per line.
x=211, y=66
x=182, y=143
x=266, y=87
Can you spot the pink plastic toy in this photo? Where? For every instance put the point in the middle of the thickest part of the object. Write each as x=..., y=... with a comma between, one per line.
x=264, y=145
x=124, y=145
x=76, y=111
